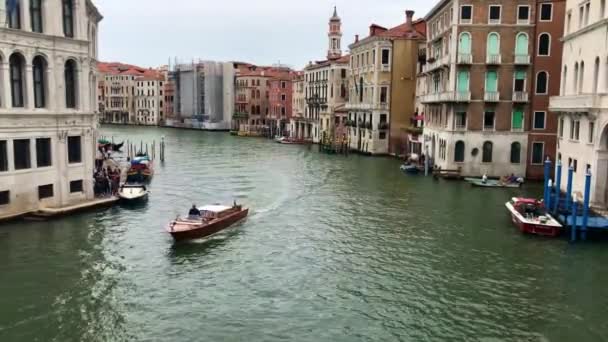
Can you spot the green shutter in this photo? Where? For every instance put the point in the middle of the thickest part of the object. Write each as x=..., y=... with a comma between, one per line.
x=493, y=48
x=463, y=81
x=521, y=45
x=491, y=81
x=520, y=75
x=518, y=119
x=465, y=43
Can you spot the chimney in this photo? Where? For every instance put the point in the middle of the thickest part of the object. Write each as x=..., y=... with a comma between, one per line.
x=356, y=38
x=409, y=16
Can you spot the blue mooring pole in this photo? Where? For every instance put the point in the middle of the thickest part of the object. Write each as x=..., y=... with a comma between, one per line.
x=569, y=188
x=573, y=227
x=558, y=186
x=587, y=197
x=547, y=193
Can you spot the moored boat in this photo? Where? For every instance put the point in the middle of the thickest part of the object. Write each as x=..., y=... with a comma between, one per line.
x=531, y=217
x=212, y=219
x=141, y=169
x=132, y=192
x=491, y=183
x=410, y=168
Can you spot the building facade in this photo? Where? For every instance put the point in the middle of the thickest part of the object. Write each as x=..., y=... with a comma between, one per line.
x=48, y=104
x=383, y=87
x=582, y=106
x=149, y=100
x=487, y=85
x=280, y=103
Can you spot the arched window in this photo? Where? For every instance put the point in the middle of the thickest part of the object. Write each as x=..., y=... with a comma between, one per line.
x=464, y=43
x=17, y=63
x=487, y=152
x=70, y=84
x=541, y=82
x=39, y=70
x=565, y=80
x=252, y=109
x=14, y=15
x=544, y=44
x=521, y=45
x=575, y=79
x=596, y=75
x=459, y=152
x=36, y=15
x=515, y=153
x=493, y=44
x=68, y=18
x=581, y=76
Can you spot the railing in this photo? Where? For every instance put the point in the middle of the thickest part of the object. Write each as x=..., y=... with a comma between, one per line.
x=522, y=59
x=460, y=127
x=385, y=68
x=491, y=96
x=462, y=96
x=578, y=103
x=520, y=96
x=240, y=116
x=465, y=58
x=383, y=126
x=436, y=63
x=450, y=96
x=493, y=59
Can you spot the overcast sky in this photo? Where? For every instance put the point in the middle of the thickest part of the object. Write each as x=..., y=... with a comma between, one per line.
x=149, y=32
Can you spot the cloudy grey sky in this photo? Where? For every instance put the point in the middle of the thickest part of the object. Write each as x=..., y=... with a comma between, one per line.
x=149, y=32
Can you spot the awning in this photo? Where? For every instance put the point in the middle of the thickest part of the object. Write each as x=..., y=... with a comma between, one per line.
x=419, y=117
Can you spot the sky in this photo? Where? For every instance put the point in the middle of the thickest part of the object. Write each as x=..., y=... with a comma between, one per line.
x=149, y=33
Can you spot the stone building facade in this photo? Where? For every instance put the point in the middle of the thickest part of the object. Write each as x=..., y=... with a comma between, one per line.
x=48, y=104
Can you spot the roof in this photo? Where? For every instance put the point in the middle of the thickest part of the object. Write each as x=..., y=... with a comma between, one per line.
x=214, y=208
x=121, y=69
x=414, y=30
x=266, y=71
x=327, y=62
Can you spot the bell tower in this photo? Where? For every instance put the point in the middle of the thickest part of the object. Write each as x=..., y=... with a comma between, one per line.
x=335, y=36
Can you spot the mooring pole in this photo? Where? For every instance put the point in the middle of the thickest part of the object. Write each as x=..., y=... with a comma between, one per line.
x=569, y=186
x=547, y=194
x=587, y=197
x=558, y=186
x=573, y=227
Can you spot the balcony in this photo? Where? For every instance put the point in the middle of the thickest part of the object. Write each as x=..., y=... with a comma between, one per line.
x=449, y=96
x=462, y=96
x=491, y=96
x=383, y=126
x=240, y=116
x=465, y=58
x=520, y=96
x=578, y=103
x=358, y=106
x=435, y=63
x=493, y=59
x=385, y=68
x=522, y=60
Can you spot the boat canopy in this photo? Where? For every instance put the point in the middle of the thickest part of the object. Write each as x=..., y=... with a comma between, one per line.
x=214, y=208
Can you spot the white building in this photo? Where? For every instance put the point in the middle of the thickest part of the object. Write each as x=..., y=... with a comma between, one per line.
x=149, y=106
x=48, y=104
x=583, y=104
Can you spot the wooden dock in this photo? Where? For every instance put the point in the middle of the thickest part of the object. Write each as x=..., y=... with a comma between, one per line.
x=48, y=213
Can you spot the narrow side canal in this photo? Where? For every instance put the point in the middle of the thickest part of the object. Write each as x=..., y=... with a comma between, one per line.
x=335, y=249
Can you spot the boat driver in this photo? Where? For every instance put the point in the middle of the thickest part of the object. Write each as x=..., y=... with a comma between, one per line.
x=194, y=211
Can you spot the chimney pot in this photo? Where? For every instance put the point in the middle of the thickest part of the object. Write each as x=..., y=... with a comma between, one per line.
x=356, y=38
x=409, y=15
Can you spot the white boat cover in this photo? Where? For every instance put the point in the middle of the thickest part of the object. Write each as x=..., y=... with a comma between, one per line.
x=214, y=208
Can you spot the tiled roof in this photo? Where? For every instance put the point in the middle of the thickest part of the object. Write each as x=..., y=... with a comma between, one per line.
x=121, y=69
x=415, y=30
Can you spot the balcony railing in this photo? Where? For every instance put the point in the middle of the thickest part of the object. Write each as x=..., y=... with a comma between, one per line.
x=493, y=59
x=240, y=116
x=460, y=127
x=449, y=96
x=522, y=59
x=491, y=96
x=578, y=103
x=385, y=68
x=383, y=125
x=435, y=63
x=520, y=96
x=462, y=96
x=465, y=58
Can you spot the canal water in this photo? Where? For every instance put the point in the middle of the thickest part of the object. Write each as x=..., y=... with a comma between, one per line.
x=335, y=249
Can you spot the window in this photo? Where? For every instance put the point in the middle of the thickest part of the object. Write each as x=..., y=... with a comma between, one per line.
x=466, y=14
x=574, y=164
x=43, y=152
x=544, y=44
x=493, y=44
x=36, y=15
x=591, y=132
x=5, y=197
x=283, y=97
x=523, y=14
x=494, y=14
x=587, y=8
x=538, y=151
x=487, y=152
x=383, y=94
x=461, y=120
x=488, y=120
x=68, y=18
x=39, y=70
x=602, y=9
x=16, y=62
x=541, y=83
x=14, y=16
x=596, y=75
x=520, y=81
x=76, y=186
x=21, y=154
x=463, y=81
x=539, y=120
x=515, y=153
x=70, y=84
x=283, y=85
x=385, y=56
x=517, y=120
x=521, y=45
x=546, y=12
x=575, y=130
x=3, y=156
x=568, y=22
x=74, y=150
x=45, y=191
x=459, y=152
x=561, y=127
x=491, y=81
x=382, y=135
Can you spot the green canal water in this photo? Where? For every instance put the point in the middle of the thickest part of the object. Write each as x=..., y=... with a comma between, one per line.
x=334, y=249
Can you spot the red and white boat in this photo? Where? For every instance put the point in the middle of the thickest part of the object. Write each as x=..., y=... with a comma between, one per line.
x=531, y=217
x=213, y=218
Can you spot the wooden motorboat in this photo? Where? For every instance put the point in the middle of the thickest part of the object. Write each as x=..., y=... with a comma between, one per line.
x=212, y=219
x=531, y=217
x=133, y=192
x=141, y=169
x=491, y=183
x=410, y=168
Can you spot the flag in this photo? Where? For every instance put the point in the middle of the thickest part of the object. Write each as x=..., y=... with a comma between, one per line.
x=11, y=5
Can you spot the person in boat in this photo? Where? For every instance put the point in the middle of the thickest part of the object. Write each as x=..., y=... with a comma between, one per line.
x=194, y=211
x=484, y=178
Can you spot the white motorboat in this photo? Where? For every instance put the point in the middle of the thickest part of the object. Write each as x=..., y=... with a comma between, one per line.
x=133, y=192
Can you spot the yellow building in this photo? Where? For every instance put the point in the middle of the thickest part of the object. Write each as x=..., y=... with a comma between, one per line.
x=382, y=94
